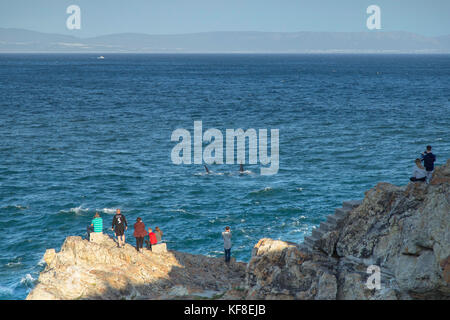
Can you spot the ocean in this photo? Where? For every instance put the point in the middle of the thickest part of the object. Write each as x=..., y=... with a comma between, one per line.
x=80, y=134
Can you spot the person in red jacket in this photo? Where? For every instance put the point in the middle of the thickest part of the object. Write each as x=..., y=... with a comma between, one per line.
x=139, y=233
x=151, y=239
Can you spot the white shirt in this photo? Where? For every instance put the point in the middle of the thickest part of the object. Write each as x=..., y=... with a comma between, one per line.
x=226, y=239
x=419, y=173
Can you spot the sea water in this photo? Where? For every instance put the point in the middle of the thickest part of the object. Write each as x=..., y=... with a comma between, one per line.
x=80, y=135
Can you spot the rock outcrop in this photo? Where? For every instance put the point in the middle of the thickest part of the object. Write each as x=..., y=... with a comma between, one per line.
x=101, y=270
x=403, y=233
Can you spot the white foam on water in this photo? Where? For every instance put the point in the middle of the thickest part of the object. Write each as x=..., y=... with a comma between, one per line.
x=6, y=290
x=266, y=189
x=108, y=210
x=76, y=210
x=41, y=262
x=13, y=264
x=28, y=280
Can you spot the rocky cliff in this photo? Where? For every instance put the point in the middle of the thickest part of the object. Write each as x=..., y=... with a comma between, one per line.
x=402, y=232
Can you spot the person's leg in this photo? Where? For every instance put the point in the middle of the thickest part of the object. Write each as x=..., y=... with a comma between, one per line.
x=141, y=242
x=89, y=230
x=429, y=175
x=227, y=255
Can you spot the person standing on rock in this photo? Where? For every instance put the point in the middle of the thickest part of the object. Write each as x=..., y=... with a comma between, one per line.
x=226, y=235
x=428, y=159
x=119, y=226
x=139, y=233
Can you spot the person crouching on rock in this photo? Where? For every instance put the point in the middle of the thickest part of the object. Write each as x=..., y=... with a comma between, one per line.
x=139, y=233
x=419, y=173
x=119, y=226
x=151, y=239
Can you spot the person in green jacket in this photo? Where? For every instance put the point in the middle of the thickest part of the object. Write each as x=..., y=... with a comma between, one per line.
x=96, y=225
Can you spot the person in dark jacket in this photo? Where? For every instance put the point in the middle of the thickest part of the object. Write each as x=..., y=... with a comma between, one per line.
x=119, y=225
x=428, y=159
x=139, y=233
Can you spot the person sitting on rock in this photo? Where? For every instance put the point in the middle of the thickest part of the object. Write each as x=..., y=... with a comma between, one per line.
x=158, y=234
x=151, y=239
x=96, y=225
x=419, y=173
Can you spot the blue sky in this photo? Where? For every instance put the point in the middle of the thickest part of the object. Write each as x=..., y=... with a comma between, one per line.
x=99, y=17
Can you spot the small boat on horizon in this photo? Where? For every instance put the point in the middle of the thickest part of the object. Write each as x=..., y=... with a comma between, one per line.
x=101, y=57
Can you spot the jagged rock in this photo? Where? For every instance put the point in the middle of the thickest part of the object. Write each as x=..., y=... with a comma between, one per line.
x=328, y=242
x=327, y=287
x=101, y=270
x=405, y=231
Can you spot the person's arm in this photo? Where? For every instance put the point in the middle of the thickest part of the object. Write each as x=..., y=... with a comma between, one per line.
x=113, y=222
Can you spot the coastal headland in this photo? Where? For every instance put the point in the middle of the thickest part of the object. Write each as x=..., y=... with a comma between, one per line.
x=397, y=235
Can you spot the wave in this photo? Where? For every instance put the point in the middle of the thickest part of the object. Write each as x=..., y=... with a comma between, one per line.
x=41, y=262
x=28, y=280
x=76, y=210
x=6, y=291
x=17, y=206
x=210, y=173
x=14, y=264
x=108, y=210
x=265, y=190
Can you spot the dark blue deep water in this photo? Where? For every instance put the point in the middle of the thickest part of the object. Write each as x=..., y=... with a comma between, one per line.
x=79, y=134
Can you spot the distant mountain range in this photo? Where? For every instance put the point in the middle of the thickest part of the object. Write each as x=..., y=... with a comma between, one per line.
x=20, y=40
